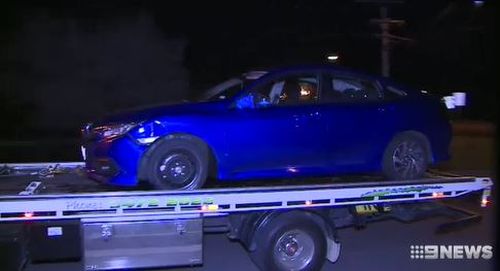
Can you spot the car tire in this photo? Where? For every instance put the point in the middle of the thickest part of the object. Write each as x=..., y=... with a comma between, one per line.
x=406, y=157
x=178, y=164
x=292, y=243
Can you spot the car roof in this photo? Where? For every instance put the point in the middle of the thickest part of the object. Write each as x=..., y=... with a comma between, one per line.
x=264, y=73
x=252, y=75
x=310, y=67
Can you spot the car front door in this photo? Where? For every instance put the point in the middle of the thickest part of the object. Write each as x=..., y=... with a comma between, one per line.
x=278, y=136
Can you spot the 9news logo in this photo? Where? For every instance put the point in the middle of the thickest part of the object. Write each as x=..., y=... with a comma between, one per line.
x=438, y=252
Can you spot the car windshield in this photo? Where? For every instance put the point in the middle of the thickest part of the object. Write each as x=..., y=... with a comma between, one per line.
x=224, y=90
x=231, y=87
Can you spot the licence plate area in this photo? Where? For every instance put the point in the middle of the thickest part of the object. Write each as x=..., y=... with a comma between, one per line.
x=142, y=244
x=367, y=209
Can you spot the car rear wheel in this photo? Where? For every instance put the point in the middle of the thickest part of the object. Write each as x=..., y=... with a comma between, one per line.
x=406, y=157
x=178, y=163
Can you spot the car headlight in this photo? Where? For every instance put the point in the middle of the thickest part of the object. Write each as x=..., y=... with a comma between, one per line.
x=114, y=130
x=148, y=132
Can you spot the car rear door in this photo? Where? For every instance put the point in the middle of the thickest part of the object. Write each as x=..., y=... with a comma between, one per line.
x=354, y=114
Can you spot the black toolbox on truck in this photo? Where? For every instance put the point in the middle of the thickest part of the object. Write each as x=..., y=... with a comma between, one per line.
x=51, y=241
x=13, y=255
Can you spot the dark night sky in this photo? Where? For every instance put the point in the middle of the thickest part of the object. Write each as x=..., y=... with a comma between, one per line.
x=66, y=62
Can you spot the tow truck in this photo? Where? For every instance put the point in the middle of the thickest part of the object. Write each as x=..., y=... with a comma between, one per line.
x=52, y=212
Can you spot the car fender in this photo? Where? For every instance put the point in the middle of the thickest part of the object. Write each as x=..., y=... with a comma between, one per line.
x=144, y=160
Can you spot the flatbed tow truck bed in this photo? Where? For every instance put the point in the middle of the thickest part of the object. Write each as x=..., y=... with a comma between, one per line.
x=126, y=224
x=70, y=178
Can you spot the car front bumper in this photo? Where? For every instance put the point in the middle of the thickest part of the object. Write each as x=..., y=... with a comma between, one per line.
x=113, y=161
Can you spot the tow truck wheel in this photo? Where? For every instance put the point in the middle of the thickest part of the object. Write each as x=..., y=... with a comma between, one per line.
x=406, y=157
x=178, y=163
x=291, y=244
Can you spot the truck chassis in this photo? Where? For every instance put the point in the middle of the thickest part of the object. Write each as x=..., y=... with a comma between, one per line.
x=283, y=227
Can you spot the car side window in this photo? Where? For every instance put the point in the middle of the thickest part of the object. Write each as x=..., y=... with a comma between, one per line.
x=350, y=89
x=227, y=93
x=289, y=90
x=393, y=92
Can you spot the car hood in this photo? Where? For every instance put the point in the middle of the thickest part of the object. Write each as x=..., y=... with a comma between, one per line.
x=146, y=113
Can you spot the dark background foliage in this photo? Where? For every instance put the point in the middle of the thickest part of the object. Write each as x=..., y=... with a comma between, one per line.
x=67, y=62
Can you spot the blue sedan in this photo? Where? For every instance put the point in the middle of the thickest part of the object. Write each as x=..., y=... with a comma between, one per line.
x=312, y=121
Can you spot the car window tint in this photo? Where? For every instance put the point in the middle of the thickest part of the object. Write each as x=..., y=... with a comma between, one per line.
x=226, y=89
x=226, y=93
x=350, y=89
x=291, y=90
x=393, y=92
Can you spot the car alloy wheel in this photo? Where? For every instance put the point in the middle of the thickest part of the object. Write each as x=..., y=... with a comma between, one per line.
x=408, y=159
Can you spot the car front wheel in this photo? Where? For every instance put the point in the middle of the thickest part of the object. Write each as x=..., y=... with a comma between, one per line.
x=178, y=164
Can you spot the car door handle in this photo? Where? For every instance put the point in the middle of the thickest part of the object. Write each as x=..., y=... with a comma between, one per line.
x=386, y=108
x=307, y=116
x=315, y=114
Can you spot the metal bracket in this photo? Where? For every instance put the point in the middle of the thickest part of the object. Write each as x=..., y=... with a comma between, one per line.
x=106, y=231
x=181, y=227
x=31, y=189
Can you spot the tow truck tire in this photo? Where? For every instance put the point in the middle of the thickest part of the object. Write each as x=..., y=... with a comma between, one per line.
x=177, y=164
x=406, y=157
x=289, y=243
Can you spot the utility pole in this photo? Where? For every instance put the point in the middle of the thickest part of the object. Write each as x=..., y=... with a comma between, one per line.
x=386, y=38
x=385, y=46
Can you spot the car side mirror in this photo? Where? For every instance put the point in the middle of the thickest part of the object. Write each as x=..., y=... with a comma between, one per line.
x=245, y=102
x=253, y=100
